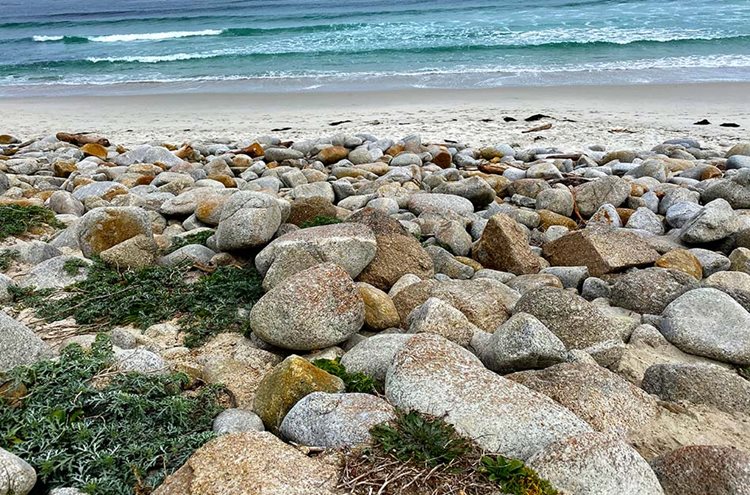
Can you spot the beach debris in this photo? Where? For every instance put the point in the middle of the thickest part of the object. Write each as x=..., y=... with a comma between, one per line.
x=280, y=129
x=510, y=119
x=542, y=127
x=81, y=138
x=729, y=124
x=702, y=122
x=536, y=116
x=621, y=130
x=339, y=122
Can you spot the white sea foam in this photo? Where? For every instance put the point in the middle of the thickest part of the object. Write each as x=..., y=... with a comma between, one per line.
x=47, y=38
x=121, y=38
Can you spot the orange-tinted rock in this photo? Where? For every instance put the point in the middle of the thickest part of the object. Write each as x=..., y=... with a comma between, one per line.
x=682, y=260
x=504, y=246
x=94, y=149
x=332, y=154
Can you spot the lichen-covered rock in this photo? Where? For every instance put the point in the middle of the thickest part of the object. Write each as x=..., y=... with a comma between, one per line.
x=290, y=381
x=237, y=421
x=703, y=470
x=251, y=463
x=134, y=253
x=504, y=246
x=682, y=260
x=316, y=308
x=602, y=249
x=103, y=228
x=606, y=401
x=435, y=376
x=595, y=464
x=380, y=312
x=335, y=420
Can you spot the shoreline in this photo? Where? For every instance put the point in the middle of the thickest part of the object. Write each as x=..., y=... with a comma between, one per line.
x=580, y=114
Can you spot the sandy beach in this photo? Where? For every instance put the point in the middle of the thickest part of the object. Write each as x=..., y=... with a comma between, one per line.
x=614, y=116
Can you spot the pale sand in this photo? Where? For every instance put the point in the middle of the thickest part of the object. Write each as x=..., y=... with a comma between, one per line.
x=652, y=112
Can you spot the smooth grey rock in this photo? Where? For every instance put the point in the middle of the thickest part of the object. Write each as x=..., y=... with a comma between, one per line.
x=645, y=219
x=715, y=222
x=248, y=219
x=148, y=154
x=18, y=477
x=19, y=345
x=438, y=317
x=572, y=277
x=281, y=154
x=192, y=253
x=735, y=190
x=435, y=376
x=140, y=361
x=335, y=420
x=575, y=321
x=681, y=213
x=556, y=200
x=590, y=196
x=406, y=159
x=373, y=355
x=475, y=189
x=711, y=261
x=736, y=284
x=707, y=322
x=313, y=309
x=595, y=464
x=420, y=203
x=522, y=343
x=650, y=290
x=237, y=421
x=699, y=384
x=350, y=245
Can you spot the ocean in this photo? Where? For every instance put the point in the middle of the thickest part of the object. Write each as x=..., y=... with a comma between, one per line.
x=50, y=47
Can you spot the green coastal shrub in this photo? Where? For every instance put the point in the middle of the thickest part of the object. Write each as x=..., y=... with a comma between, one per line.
x=7, y=257
x=79, y=424
x=107, y=297
x=354, y=382
x=320, y=220
x=16, y=219
x=196, y=238
x=416, y=453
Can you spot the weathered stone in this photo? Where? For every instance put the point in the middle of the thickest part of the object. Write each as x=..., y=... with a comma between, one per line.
x=438, y=317
x=134, y=253
x=708, y=322
x=316, y=308
x=736, y=284
x=251, y=463
x=522, y=343
x=237, y=421
x=19, y=345
x=715, y=222
x=352, y=246
x=335, y=420
x=649, y=291
x=248, y=219
x=18, y=476
x=306, y=209
x=601, y=398
x=504, y=246
x=699, y=384
x=703, y=470
x=380, y=312
x=575, y=321
x=682, y=260
x=590, y=196
x=603, y=250
x=419, y=203
x=51, y=274
x=103, y=228
x=595, y=464
x=290, y=381
x=435, y=376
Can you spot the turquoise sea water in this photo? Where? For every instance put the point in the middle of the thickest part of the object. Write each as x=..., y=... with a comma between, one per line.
x=147, y=46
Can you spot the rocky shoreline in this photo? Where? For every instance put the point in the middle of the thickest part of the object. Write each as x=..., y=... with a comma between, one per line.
x=584, y=311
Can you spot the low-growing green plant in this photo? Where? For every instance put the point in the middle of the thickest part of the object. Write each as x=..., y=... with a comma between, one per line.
x=73, y=266
x=17, y=219
x=421, y=439
x=745, y=372
x=320, y=220
x=196, y=238
x=108, y=297
x=354, y=382
x=7, y=257
x=514, y=477
x=81, y=425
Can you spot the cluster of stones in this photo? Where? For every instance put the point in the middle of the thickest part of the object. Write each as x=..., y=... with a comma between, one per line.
x=586, y=312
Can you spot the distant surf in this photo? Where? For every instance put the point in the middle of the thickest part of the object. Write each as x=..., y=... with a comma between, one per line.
x=315, y=47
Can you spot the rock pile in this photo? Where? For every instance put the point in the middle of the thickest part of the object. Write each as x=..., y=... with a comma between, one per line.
x=551, y=306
